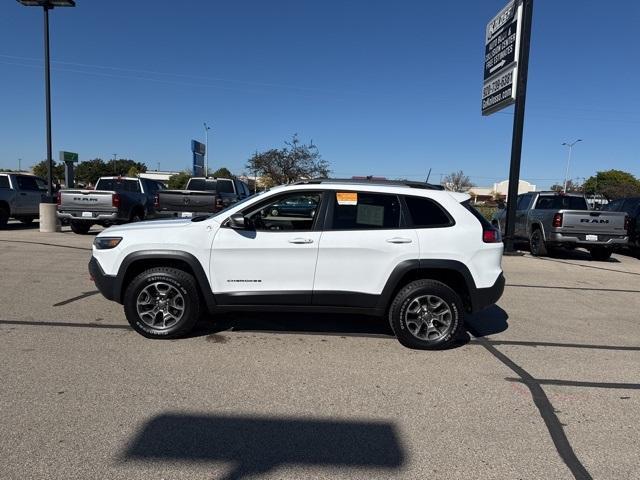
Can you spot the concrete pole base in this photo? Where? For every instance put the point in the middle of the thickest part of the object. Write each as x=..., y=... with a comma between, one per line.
x=49, y=222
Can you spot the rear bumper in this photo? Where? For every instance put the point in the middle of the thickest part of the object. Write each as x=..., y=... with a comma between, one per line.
x=96, y=216
x=106, y=284
x=581, y=240
x=482, y=298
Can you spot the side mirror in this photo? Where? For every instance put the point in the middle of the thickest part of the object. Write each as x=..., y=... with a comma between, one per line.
x=237, y=221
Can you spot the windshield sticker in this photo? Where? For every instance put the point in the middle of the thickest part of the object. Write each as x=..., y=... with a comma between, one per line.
x=370, y=215
x=347, y=198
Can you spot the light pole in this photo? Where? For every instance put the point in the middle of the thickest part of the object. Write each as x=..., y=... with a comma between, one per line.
x=206, y=149
x=566, y=175
x=48, y=5
x=19, y=164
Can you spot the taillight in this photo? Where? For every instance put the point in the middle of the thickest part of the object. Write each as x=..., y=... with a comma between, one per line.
x=156, y=201
x=491, y=235
x=557, y=220
x=58, y=198
x=627, y=221
x=115, y=200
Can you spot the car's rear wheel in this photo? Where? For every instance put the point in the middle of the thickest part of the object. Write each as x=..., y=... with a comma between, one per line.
x=162, y=302
x=426, y=315
x=81, y=228
x=600, y=253
x=537, y=247
x=4, y=217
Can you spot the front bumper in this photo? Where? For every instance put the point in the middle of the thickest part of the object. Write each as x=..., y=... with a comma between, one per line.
x=581, y=240
x=482, y=298
x=106, y=284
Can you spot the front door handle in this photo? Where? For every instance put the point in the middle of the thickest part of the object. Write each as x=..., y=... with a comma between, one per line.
x=301, y=240
x=399, y=240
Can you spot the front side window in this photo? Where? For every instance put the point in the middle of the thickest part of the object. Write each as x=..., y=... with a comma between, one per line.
x=425, y=213
x=365, y=211
x=294, y=211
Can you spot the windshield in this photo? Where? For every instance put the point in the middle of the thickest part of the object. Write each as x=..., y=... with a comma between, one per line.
x=241, y=202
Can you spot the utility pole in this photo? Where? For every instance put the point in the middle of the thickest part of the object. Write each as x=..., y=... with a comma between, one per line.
x=19, y=164
x=518, y=125
x=206, y=149
x=114, y=163
x=566, y=174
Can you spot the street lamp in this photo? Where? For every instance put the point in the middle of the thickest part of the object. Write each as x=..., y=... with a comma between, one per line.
x=46, y=6
x=206, y=149
x=566, y=175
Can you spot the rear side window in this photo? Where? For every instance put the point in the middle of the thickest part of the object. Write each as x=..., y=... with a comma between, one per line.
x=365, y=211
x=631, y=205
x=614, y=206
x=425, y=213
x=486, y=224
x=561, y=202
x=27, y=183
x=4, y=181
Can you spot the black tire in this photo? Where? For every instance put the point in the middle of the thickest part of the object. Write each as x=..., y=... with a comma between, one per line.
x=177, y=281
x=4, y=217
x=26, y=220
x=81, y=228
x=600, y=253
x=412, y=330
x=537, y=247
x=136, y=216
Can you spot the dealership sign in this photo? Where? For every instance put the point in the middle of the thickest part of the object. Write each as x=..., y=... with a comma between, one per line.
x=501, y=47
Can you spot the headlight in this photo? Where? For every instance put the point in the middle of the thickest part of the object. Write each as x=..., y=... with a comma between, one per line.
x=105, y=243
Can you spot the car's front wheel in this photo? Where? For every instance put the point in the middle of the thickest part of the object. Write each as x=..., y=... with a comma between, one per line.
x=162, y=302
x=427, y=314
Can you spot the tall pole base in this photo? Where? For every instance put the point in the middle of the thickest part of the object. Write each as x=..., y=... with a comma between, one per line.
x=49, y=222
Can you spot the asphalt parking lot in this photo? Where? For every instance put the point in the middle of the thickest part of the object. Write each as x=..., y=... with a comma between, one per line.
x=546, y=386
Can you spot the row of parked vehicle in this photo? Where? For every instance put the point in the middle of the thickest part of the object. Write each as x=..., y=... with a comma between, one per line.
x=544, y=220
x=117, y=200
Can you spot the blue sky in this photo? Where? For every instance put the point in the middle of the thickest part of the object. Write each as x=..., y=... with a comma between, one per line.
x=383, y=88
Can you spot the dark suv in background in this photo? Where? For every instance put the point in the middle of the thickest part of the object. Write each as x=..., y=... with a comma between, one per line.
x=631, y=206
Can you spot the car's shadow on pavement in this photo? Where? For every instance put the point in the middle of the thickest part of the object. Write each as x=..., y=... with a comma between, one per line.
x=487, y=322
x=571, y=254
x=286, y=322
x=20, y=226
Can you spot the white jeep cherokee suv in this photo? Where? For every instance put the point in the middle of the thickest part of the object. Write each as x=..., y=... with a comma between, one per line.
x=408, y=250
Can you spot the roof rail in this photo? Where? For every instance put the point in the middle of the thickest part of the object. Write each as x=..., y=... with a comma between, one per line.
x=371, y=181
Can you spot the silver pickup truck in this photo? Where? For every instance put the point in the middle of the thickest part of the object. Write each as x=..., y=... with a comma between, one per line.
x=549, y=220
x=115, y=200
x=20, y=197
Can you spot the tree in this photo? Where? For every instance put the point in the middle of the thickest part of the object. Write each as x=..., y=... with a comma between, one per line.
x=222, y=173
x=613, y=184
x=296, y=161
x=90, y=170
x=179, y=180
x=40, y=169
x=457, y=182
x=572, y=187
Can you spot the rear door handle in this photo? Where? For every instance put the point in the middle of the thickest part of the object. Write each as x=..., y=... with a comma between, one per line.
x=399, y=240
x=301, y=240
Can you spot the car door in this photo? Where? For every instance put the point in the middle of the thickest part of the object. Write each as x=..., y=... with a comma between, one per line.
x=364, y=239
x=272, y=261
x=522, y=213
x=29, y=195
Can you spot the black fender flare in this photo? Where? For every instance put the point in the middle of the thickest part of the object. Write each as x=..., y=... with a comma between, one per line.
x=150, y=255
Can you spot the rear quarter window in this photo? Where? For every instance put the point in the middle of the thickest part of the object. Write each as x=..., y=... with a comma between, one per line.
x=426, y=213
x=4, y=181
